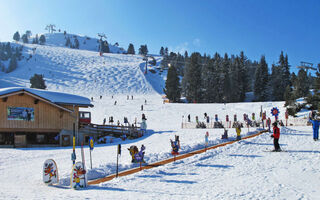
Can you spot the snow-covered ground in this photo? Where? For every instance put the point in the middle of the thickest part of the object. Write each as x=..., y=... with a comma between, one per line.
x=239, y=171
x=243, y=170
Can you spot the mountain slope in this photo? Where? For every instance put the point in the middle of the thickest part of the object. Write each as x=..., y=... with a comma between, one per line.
x=84, y=72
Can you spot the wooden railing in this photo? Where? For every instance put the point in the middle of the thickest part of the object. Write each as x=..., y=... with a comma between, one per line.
x=114, y=130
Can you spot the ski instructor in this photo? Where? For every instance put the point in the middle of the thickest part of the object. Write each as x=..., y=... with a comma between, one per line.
x=276, y=136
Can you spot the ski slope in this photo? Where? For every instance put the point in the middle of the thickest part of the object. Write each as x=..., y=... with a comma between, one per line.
x=243, y=170
x=83, y=71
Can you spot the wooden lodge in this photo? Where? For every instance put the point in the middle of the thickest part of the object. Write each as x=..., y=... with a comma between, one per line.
x=31, y=117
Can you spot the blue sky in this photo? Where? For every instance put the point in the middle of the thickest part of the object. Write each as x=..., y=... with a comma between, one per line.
x=254, y=26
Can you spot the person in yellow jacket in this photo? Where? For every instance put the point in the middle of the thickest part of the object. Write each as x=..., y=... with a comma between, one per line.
x=238, y=130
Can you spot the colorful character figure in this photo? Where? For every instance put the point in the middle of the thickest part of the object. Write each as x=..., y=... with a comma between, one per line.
x=315, y=126
x=175, y=145
x=139, y=157
x=136, y=155
x=50, y=172
x=79, y=176
x=238, y=130
x=133, y=150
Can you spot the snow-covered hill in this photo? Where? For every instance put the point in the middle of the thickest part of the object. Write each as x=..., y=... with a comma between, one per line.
x=84, y=72
x=85, y=42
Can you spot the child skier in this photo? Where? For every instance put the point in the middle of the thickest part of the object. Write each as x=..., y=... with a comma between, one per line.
x=276, y=136
x=315, y=126
x=206, y=139
x=268, y=124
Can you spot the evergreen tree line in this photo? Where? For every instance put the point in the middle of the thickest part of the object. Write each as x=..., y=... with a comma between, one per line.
x=217, y=79
x=227, y=79
x=74, y=45
x=25, y=38
x=7, y=52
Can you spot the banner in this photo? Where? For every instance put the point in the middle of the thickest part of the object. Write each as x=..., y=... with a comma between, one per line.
x=20, y=113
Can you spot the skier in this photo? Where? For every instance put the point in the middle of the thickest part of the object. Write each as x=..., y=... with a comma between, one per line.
x=115, y=103
x=189, y=118
x=143, y=123
x=104, y=121
x=208, y=119
x=197, y=119
x=315, y=126
x=141, y=107
x=206, y=139
x=145, y=101
x=216, y=118
x=268, y=124
x=276, y=136
x=111, y=120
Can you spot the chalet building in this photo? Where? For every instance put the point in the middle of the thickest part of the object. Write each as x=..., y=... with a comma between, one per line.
x=32, y=117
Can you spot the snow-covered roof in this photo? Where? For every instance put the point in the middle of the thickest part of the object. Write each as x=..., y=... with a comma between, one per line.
x=54, y=97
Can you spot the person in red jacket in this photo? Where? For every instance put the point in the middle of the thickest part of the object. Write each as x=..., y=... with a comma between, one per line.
x=276, y=136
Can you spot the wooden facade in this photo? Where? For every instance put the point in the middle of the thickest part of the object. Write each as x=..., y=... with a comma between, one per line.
x=47, y=117
x=27, y=119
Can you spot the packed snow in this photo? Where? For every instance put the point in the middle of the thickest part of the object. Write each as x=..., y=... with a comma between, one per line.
x=243, y=170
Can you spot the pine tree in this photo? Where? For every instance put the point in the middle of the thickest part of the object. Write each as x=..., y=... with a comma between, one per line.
x=226, y=79
x=76, y=43
x=25, y=38
x=261, y=81
x=131, y=49
x=16, y=36
x=172, y=88
x=37, y=81
x=68, y=42
x=193, y=78
x=143, y=50
x=301, y=84
x=104, y=46
x=166, y=51
x=243, y=81
x=282, y=77
x=8, y=50
x=186, y=54
x=288, y=96
x=42, y=39
x=28, y=33
x=12, y=64
x=161, y=51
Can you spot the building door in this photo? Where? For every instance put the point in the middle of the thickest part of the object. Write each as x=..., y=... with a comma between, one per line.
x=20, y=140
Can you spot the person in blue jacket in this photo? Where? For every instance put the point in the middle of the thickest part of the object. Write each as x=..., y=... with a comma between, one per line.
x=315, y=126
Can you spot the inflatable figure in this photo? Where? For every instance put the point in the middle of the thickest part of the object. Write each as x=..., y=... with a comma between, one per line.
x=175, y=145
